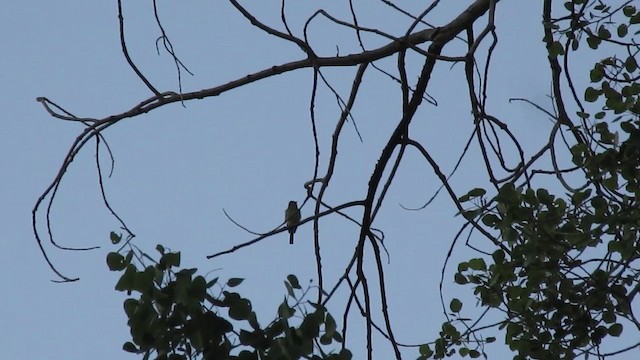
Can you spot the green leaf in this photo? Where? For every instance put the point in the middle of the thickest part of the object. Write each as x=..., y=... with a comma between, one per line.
x=611, y=93
x=460, y=279
x=629, y=10
x=555, y=49
x=127, y=280
x=243, y=355
x=212, y=282
x=591, y=94
x=337, y=337
x=470, y=214
x=593, y=42
x=115, y=261
x=611, y=183
x=463, y=266
x=631, y=65
x=285, y=311
x=310, y=327
x=509, y=235
x=425, y=350
x=198, y=288
x=239, y=308
x=293, y=280
x=609, y=317
x=508, y=195
x=615, y=330
x=498, y=256
x=451, y=331
x=599, y=203
x=345, y=354
x=579, y=197
x=490, y=219
x=129, y=347
x=575, y=44
x=622, y=30
x=115, y=238
x=130, y=307
x=252, y=339
x=604, y=33
x=289, y=289
x=144, y=279
x=169, y=260
x=477, y=192
x=597, y=73
x=325, y=340
x=329, y=325
x=233, y=282
x=455, y=305
x=473, y=193
x=477, y=264
x=544, y=196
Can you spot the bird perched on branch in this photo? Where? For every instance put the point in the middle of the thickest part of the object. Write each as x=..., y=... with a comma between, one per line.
x=292, y=218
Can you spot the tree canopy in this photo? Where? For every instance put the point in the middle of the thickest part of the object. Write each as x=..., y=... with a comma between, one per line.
x=553, y=230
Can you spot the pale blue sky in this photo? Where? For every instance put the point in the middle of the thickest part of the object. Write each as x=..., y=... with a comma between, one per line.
x=248, y=151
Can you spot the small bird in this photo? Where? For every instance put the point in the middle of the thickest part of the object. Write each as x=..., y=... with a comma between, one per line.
x=292, y=218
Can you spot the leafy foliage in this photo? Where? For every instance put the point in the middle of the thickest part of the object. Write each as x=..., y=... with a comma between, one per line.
x=565, y=269
x=175, y=315
x=556, y=301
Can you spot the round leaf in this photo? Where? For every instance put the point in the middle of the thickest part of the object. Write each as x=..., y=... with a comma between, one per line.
x=455, y=305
